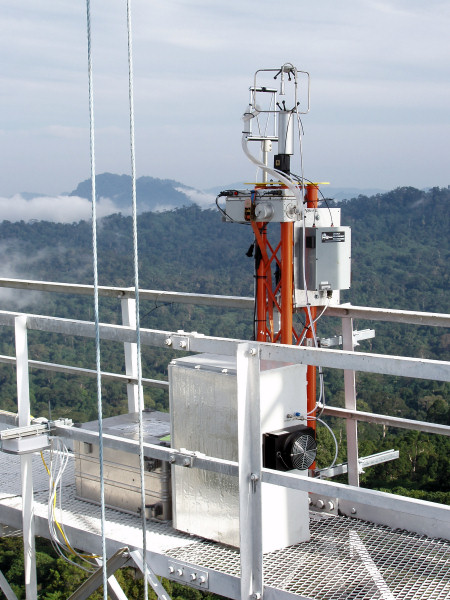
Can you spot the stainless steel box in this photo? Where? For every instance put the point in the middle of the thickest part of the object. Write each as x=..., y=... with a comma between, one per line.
x=203, y=401
x=267, y=208
x=121, y=469
x=327, y=258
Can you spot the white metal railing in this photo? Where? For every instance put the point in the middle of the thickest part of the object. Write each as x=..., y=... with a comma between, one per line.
x=415, y=515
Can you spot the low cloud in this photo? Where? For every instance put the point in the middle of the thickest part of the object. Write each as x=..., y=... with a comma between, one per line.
x=58, y=209
x=203, y=199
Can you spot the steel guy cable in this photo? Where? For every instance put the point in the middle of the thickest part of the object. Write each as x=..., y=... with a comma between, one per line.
x=96, y=311
x=136, y=289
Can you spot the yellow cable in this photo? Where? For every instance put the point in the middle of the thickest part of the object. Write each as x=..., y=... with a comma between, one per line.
x=56, y=522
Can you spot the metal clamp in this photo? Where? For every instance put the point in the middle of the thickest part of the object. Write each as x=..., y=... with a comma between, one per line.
x=183, y=457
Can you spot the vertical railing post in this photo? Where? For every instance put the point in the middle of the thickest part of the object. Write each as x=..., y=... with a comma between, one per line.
x=350, y=404
x=129, y=319
x=26, y=466
x=250, y=465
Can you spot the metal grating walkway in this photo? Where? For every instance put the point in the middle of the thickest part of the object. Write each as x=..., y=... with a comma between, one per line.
x=346, y=559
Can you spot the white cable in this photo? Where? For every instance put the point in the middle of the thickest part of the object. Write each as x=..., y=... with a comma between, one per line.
x=96, y=310
x=334, y=438
x=136, y=292
x=278, y=174
x=313, y=321
x=58, y=461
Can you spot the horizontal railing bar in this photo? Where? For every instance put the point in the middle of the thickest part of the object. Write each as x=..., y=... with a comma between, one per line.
x=389, y=315
x=118, y=292
x=346, y=310
x=337, y=359
x=45, y=366
x=331, y=411
x=367, y=417
x=9, y=360
x=411, y=506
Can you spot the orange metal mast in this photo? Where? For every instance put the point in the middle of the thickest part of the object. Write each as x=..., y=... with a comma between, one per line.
x=287, y=281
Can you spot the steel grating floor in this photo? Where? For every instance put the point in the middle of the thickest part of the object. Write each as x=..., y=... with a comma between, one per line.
x=346, y=559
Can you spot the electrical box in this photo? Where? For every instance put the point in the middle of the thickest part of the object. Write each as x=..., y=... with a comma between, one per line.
x=203, y=408
x=273, y=205
x=121, y=469
x=327, y=258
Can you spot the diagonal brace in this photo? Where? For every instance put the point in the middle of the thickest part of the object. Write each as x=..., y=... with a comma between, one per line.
x=117, y=561
x=150, y=576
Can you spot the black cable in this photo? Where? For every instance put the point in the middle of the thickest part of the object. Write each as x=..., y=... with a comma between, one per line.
x=156, y=307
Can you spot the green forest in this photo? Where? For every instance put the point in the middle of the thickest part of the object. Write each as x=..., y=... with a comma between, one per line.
x=400, y=253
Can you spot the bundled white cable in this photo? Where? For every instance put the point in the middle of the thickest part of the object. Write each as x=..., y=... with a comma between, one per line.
x=59, y=458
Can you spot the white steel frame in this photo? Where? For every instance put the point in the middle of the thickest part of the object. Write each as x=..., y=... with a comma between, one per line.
x=415, y=515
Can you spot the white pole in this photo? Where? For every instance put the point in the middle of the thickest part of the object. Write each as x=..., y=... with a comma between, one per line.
x=350, y=404
x=23, y=406
x=129, y=319
x=250, y=465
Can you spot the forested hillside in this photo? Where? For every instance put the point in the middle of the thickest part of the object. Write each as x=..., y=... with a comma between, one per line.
x=399, y=260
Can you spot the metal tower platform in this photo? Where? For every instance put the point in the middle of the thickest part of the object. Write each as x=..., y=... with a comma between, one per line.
x=345, y=559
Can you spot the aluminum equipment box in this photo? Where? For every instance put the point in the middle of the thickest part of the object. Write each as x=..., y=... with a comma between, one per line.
x=269, y=207
x=121, y=469
x=203, y=400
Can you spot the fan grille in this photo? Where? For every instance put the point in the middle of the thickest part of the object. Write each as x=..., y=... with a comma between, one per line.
x=303, y=451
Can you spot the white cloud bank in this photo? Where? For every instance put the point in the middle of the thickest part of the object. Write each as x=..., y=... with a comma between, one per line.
x=203, y=199
x=58, y=209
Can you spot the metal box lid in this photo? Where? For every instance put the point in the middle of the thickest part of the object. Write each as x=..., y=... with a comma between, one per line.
x=156, y=426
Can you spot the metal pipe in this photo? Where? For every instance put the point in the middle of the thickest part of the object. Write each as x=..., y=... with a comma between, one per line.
x=26, y=466
x=287, y=250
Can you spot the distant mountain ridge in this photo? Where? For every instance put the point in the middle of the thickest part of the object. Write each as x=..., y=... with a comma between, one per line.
x=152, y=194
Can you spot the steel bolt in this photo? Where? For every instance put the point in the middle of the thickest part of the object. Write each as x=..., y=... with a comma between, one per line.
x=330, y=505
x=256, y=596
x=202, y=579
x=168, y=342
x=320, y=503
x=186, y=462
x=172, y=459
x=171, y=570
x=353, y=511
x=193, y=576
x=183, y=344
x=180, y=572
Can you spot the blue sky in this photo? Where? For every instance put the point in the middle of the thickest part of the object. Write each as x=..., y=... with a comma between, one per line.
x=380, y=95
